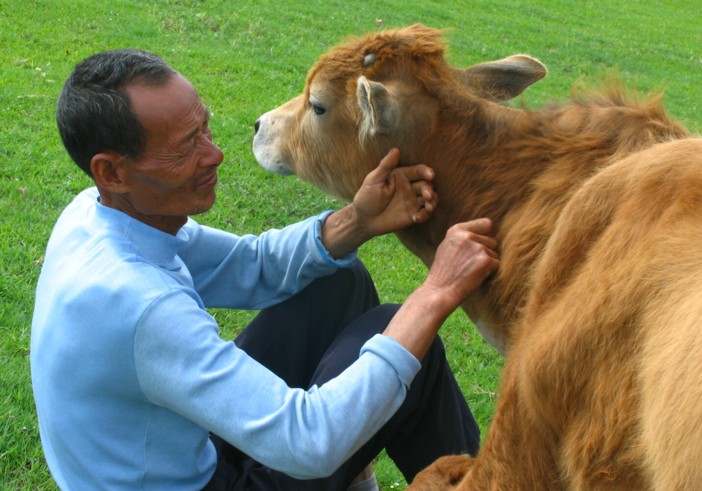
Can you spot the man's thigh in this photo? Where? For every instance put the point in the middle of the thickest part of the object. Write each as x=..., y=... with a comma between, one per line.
x=292, y=337
x=237, y=471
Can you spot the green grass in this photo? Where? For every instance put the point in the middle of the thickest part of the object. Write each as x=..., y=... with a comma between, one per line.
x=246, y=58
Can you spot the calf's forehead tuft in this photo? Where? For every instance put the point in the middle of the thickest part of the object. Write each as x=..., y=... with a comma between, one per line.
x=369, y=54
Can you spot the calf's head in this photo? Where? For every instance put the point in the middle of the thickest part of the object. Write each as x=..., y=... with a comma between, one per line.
x=371, y=94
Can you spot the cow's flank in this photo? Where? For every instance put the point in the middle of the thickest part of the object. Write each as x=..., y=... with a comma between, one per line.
x=598, y=209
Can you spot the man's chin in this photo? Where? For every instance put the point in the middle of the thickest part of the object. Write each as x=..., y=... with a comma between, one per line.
x=205, y=205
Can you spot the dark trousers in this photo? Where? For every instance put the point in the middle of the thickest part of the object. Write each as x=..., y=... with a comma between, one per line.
x=312, y=337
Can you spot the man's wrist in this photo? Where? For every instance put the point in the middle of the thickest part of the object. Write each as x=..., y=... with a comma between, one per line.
x=342, y=232
x=440, y=301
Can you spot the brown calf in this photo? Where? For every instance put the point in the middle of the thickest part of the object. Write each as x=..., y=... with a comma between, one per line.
x=598, y=211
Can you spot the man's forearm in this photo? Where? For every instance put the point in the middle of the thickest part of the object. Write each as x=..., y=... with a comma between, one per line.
x=419, y=319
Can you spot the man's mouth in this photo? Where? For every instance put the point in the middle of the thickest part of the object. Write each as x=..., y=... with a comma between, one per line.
x=208, y=182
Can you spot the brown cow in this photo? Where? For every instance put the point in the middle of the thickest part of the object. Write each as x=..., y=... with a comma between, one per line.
x=598, y=209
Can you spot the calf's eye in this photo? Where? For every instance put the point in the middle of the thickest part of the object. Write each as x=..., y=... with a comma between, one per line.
x=318, y=110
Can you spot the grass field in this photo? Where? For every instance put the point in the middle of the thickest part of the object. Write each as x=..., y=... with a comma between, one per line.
x=246, y=58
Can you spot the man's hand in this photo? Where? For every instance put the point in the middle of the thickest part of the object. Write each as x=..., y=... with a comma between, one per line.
x=463, y=260
x=389, y=199
x=392, y=198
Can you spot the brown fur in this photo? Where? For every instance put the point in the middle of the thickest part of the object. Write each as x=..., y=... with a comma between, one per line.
x=598, y=306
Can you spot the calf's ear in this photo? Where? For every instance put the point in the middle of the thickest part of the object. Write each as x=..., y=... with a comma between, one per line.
x=503, y=79
x=379, y=110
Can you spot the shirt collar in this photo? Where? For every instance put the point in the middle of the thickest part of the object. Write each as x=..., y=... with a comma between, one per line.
x=146, y=241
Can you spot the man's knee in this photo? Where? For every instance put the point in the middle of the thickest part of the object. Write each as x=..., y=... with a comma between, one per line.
x=346, y=289
x=358, y=276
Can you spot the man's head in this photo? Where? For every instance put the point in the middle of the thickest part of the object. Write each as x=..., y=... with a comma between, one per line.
x=141, y=131
x=93, y=112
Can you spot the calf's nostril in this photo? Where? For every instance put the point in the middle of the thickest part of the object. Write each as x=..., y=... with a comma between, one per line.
x=257, y=125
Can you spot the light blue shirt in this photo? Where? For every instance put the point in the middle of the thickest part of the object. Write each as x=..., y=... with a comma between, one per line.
x=130, y=375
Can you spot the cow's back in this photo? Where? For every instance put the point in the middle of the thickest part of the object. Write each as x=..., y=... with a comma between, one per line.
x=523, y=177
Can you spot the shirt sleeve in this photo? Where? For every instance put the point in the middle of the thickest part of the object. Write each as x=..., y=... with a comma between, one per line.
x=304, y=433
x=254, y=272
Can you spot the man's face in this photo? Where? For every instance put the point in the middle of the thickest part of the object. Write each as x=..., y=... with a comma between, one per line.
x=177, y=174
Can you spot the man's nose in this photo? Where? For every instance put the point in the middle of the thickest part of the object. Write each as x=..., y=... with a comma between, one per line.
x=214, y=155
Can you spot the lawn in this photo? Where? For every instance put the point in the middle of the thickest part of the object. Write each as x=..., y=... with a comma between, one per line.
x=246, y=58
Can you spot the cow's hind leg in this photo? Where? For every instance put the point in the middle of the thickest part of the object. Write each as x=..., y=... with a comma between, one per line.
x=445, y=474
x=517, y=454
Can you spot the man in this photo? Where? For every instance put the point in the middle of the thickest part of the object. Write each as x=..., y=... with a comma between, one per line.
x=135, y=389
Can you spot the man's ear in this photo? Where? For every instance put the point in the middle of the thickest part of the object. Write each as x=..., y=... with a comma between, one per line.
x=109, y=171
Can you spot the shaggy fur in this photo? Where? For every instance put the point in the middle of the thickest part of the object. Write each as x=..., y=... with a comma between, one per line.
x=598, y=210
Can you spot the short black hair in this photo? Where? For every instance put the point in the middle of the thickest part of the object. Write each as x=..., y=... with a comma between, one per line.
x=93, y=113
